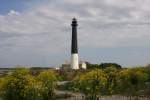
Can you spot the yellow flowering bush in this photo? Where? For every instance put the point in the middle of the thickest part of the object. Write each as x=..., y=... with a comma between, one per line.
x=112, y=73
x=131, y=80
x=19, y=86
x=48, y=79
x=90, y=83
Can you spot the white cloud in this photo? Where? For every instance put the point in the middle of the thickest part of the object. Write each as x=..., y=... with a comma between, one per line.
x=13, y=13
x=52, y=19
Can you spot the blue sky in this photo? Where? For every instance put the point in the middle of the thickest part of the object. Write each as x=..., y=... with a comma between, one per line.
x=38, y=32
x=7, y=5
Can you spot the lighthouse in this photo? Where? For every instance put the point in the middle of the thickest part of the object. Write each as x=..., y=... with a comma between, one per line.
x=74, y=46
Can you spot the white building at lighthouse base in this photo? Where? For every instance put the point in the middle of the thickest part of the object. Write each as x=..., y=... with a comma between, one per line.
x=67, y=65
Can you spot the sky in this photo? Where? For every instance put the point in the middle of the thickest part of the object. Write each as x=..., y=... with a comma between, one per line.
x=38, y=32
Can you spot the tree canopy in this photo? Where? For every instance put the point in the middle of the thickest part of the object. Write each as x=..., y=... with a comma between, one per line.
x=103, y=65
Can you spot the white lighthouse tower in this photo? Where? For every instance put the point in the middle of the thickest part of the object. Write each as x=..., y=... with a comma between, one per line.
x=74, y=46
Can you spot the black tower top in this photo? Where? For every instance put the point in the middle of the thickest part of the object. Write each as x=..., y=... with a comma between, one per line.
x=74, y=45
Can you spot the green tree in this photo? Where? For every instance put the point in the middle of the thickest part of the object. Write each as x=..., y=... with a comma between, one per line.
x=147, y=83
x=102, y=65
x=92, y=66
x=105, y=65
x=147, y=70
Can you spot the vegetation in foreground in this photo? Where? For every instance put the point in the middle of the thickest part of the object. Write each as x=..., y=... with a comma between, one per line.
x=23, y=84
x=20, y=85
